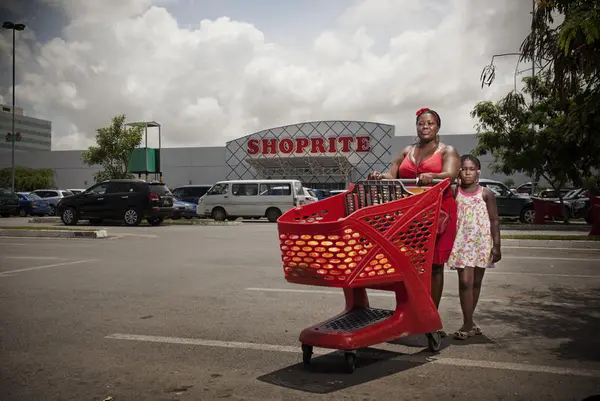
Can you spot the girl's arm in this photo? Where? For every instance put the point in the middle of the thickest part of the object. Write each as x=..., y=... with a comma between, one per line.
x=490, y=201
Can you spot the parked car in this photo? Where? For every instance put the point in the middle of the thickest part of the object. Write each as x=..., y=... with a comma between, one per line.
x=510, y=204
x=320, y=193
x=52, y=196
x=577, y=203
x=128, y=200
x=75, y=191
x=251, y=199
x=183, y=209
x=551, y=193
x=309, y=195
x=9, y=202
x=31, y=204
x=191, y=193
x=524, y=189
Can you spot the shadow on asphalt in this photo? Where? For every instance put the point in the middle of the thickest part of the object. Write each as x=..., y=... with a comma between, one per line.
x=571, y=315
x=420, y=341
x=325, y=374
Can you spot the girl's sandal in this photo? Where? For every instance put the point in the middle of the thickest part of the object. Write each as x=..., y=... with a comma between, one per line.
x=463, y=335
x=477, y=330
x=442, y=333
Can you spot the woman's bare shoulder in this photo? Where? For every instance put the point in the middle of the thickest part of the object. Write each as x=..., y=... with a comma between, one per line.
x=449, y=149
x=402, y=154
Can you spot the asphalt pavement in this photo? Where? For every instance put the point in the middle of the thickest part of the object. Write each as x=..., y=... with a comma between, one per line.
x=203, y=313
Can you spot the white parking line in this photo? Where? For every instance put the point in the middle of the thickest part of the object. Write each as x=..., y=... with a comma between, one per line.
x=30, y=257
x=376, y=294
x=440, y=360
x=10, y=272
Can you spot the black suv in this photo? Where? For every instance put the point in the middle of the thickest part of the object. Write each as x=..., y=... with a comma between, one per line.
x=9, y=202
x=128, y=200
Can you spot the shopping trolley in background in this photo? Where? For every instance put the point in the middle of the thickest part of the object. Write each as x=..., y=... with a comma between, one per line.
x=379, y=234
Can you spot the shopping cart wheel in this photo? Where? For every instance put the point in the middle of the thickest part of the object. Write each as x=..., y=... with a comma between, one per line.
x=350, y=358
x=434, y=341
x=307, y=351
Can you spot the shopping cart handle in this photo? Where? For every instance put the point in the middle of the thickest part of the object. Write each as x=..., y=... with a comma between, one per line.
x=403, y=181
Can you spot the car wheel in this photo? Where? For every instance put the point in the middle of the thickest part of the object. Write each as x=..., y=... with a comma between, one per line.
x=219, y=214
x=132, y=217
x=52, y=210
x=69, y=216
x=273, y=214
x=22, y=213
x=527, y=215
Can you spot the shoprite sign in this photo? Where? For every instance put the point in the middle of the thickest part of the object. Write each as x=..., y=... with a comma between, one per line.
x=313, y=145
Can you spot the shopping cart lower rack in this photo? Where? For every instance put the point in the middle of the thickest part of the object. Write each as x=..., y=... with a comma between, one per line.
x=378, y=235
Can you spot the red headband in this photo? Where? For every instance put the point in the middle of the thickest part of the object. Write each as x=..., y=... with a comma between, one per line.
x=428, y=110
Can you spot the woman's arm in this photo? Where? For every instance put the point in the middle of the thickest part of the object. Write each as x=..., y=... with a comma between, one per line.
x=392, y=173
x=490, y=201
x=451, y=165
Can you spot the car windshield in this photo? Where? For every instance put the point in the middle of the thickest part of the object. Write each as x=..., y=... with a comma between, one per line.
x=33, y=197
x=159, y=189
x=571, y=194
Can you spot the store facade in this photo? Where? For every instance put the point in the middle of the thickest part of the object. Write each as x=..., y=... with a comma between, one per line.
x=321, y=154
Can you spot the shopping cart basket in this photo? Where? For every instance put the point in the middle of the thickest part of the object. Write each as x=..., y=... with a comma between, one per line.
x=379, y=234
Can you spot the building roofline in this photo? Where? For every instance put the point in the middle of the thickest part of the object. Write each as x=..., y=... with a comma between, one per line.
x=310, y=122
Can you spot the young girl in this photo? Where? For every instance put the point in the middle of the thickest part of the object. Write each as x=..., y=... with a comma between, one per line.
x=477, y=243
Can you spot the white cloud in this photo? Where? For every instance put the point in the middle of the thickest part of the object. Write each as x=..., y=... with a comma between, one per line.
x=222, y=79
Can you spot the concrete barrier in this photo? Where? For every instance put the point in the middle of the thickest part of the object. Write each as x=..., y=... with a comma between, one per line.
x=97, y=234
x=545, y=243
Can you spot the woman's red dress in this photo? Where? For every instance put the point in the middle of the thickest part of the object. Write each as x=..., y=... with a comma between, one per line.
x=433, y=165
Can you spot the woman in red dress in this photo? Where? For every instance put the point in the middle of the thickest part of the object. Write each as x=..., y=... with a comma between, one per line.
x=428, y=160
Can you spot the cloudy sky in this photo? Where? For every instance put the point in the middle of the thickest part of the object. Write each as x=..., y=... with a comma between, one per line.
x=214, y=70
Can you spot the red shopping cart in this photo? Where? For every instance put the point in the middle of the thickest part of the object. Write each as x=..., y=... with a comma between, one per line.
x=377, y=235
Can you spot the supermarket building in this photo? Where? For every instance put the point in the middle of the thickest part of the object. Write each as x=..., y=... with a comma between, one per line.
x=322, y=154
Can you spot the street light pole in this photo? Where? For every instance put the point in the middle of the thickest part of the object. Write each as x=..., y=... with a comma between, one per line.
x=14, y=27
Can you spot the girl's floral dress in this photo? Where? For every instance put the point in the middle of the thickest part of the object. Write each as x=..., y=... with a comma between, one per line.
x=473, y=243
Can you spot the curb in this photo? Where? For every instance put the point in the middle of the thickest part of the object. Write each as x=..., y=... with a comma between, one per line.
x=51, y=219
x=525, y=243
x=54, y=233
x=42, y=220
x=547, y=227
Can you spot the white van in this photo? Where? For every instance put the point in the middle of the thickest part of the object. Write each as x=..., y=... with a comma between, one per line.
x=251, y=199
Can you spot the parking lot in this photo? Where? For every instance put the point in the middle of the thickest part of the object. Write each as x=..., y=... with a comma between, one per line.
x=203, y=312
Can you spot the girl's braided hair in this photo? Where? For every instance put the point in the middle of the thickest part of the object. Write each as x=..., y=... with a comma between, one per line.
x=472, y=158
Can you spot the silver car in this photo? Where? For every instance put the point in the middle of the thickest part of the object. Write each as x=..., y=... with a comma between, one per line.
x=52, y=196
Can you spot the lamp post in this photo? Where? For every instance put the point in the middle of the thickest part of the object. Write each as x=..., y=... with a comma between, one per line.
x=14, y=27
x=489, y=74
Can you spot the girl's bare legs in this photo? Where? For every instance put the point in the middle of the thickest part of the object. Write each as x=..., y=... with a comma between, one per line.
x=466, y=291
x=478, y=278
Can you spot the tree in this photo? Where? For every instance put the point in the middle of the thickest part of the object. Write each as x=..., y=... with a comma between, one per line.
x=504, y=129
x=553, y=133
x=27, y=179
x=509, y=182
x=114, y=146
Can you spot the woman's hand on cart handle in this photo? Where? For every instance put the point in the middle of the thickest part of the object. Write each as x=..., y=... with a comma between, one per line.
x=375, y=175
